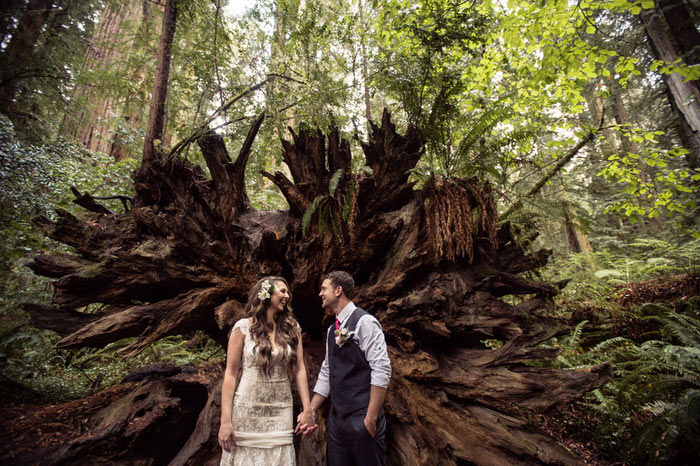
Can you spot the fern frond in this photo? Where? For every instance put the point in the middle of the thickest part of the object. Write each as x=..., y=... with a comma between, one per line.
x=685, y=328
x=306, y=219
x=335, y=180
x=611, y=343
x=576, y=334
x=480, y=128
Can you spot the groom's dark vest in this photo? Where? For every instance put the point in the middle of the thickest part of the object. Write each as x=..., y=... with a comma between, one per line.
x=349, y=371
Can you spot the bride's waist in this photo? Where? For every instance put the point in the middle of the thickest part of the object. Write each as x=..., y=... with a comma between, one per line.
x=276, y=377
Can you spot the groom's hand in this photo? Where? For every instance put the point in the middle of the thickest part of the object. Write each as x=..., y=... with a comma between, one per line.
x=306, y=422
x=371, y=426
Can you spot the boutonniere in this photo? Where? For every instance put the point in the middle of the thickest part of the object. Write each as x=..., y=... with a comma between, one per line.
x=342, y=336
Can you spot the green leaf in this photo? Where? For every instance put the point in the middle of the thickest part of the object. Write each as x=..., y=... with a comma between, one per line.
x=335, y=180
x=306, y=219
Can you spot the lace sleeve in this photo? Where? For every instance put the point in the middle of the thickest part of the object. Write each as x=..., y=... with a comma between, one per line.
x=244, y=325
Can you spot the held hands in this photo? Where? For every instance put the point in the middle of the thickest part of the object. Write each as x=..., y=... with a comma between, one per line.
x=226, y=436
x=306, y=422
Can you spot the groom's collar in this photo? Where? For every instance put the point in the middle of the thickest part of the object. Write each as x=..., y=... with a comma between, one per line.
x=345, y=313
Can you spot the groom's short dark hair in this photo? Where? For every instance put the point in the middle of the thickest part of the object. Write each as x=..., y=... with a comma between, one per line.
x=342, y=279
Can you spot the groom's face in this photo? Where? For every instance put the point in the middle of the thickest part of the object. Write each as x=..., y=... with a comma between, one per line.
x=329, y=295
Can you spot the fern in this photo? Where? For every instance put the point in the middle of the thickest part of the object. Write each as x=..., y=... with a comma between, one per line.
x=335, y=180
x=576, y=334
x=309, y=212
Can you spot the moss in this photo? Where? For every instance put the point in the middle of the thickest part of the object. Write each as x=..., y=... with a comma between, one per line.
x=153, y=248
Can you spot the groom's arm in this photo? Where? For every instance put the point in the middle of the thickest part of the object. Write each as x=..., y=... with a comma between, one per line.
x=316, y=402
x=373, y=345
x=376, y=401
x=322, y=387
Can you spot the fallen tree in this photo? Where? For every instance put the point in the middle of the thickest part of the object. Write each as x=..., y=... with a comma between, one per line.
x=434, y=265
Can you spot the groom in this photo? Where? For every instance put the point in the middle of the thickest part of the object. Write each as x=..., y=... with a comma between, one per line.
x=354, y=375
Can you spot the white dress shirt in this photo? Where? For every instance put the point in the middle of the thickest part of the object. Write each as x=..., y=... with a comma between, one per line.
x=370, y=338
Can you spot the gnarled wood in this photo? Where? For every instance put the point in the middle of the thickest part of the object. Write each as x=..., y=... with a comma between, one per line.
x=433, y=273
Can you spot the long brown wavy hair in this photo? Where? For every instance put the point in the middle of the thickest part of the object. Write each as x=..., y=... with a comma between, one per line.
x=286, y=336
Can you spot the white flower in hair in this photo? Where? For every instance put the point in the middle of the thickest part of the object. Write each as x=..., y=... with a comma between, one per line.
x=265, y=289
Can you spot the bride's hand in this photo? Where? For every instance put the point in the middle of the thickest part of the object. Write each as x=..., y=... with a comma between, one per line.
x=226, y=436
x=306, y=422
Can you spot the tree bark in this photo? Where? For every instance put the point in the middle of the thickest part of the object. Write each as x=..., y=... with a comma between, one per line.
x=9, y=10
x=365, y=65
x=18, y=53
x=156, y=115
x=118, y=426
x=94, y=119
x=432, y=265
x=670, y=29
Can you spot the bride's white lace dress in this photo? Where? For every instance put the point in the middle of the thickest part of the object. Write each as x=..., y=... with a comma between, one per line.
x=262, y=412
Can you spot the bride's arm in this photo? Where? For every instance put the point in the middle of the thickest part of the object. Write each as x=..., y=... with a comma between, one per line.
x=233, y=363
x=305, y=421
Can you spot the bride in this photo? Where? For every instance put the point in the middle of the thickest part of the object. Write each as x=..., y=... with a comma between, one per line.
x=256, y=410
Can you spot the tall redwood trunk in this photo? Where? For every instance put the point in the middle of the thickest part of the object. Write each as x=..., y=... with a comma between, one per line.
x=16, y=57
x=96, y=113
x=156, y=115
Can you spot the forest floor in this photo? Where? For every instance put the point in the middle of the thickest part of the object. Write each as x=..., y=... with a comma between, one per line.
x=27, y=426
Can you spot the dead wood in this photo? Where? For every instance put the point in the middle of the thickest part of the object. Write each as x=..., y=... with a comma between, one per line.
x=432, y=265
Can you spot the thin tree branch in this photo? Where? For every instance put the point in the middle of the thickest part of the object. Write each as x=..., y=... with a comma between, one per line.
x=204, y=127
x=560, y=164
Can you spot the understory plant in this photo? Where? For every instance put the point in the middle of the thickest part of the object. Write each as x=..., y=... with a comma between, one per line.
x=650, y=411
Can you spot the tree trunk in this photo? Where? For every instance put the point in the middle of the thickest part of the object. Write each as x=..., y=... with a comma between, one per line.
x=94, y=122
x=18, y=53
x=9, y=10
x=365, y=66
x=673, y=36
x=156, y=114
x=432, y=265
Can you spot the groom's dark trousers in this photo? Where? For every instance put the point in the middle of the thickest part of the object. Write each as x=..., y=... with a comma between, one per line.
x=349, y=442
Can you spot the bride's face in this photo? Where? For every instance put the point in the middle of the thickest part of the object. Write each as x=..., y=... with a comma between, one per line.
x=279, y=297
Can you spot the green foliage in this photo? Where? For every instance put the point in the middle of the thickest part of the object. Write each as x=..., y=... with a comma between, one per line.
x=36, y=178
x=651, y=407
x=656, y=187
x=333, y=208
x=622, y=262
x=45, y=79
x=49, y=375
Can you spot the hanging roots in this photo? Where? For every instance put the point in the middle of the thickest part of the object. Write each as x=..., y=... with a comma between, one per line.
x=448, y=216
x=487, y=207
x=448, y=206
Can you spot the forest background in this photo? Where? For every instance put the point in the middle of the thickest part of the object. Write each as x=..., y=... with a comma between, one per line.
x=584, y=116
